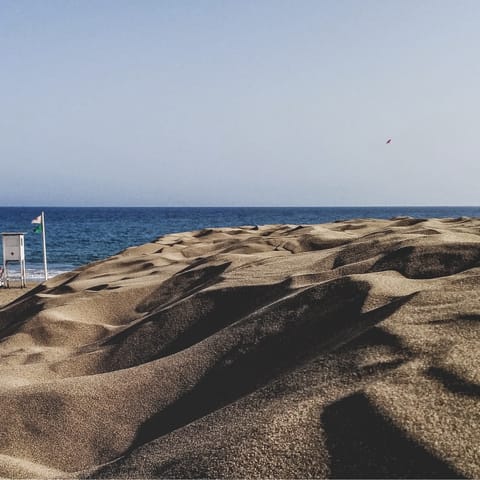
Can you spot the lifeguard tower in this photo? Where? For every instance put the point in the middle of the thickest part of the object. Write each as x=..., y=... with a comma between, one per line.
x=13, y=252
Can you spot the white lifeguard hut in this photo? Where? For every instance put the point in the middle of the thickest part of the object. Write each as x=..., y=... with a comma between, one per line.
x=13, y=252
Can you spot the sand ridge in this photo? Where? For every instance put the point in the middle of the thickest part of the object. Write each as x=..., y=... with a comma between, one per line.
x=347, y=349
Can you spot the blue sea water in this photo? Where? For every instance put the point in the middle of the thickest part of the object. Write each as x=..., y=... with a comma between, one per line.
x=76, y=236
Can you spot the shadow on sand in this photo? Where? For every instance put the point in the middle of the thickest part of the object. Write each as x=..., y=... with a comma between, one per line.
x=363, y=444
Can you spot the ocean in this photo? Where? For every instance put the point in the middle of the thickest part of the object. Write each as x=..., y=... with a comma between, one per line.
x=76, y=236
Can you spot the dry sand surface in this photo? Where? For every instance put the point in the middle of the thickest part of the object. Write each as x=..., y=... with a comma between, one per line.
x=347, y=349
x=7, y=295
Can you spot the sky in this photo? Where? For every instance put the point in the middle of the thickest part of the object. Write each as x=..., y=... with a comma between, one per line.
x=239, y=103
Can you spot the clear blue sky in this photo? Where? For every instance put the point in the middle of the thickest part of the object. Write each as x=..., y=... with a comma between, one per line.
x=240, y=102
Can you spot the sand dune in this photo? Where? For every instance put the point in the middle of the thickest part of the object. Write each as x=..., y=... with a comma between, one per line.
x=347, y=349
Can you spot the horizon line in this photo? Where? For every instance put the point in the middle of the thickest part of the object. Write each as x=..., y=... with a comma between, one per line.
x=242, y=206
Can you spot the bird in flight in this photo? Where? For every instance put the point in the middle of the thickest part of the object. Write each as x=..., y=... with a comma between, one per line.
x=389, y=140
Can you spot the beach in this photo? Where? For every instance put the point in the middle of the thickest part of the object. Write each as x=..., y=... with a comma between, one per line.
x=7, y=295
x=346, y=349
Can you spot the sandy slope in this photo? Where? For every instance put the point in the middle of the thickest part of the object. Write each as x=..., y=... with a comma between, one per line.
x=343, y=349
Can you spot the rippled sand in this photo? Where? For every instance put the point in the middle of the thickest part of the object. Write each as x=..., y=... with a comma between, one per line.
x=348, y=349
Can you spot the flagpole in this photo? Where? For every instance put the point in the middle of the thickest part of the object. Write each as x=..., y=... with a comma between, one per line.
x=44, y=248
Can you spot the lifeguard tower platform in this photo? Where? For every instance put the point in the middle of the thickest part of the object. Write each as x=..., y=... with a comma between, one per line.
x=13, y=252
